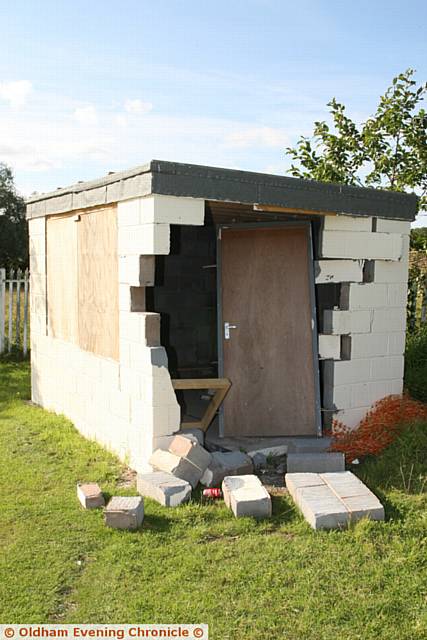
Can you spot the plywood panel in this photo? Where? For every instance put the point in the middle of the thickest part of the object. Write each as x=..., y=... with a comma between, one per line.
x=269, y=356
x=62, y=278
x=98, y=293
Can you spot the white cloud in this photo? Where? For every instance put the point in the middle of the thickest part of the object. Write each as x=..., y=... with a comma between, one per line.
x=257, y=136
x=137, y=106
x=86, y=115
x=15, y=92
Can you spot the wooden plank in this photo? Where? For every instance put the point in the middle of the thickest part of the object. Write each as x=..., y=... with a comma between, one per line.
x=275, y=209
x=61, y=248
x=98, y=291
x=221, y=385
x=18, y=308
x=25, y=337
x=201, y=383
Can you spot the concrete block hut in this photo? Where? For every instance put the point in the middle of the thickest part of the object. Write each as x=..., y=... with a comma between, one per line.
x=151, y=284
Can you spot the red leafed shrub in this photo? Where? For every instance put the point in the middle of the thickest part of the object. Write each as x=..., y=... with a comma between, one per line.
x=379, y=428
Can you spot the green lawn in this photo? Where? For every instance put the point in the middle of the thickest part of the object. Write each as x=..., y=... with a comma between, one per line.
x=270, y=580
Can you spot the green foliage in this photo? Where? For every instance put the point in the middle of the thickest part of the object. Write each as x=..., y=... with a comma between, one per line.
x=416, y=364
x=388, y=151
x=419, y=239
x=248, y=580
x=13, y=226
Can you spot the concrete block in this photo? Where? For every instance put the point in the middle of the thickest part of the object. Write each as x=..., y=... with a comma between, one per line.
x=144, y=239
x=364, y=296
x=191, y=451
x=315, y=462
x=37, y=227
x=172, y=210
x=321, y=508
x=356, y=496
x=129, y=213
x=176, y=465
x=386, y=271
x=261, y=455
x=367, y=345
x=137, y=270
x=362, y=246
x=254, y=502
x=387, y=368
x=59, y=204
x=232, y=463
x=90, y=198
x=90, y=495
x=389, y=319
x=396, y=343
x=392, y=226
x=231, y=483
x=339, y=322
x=165, y=488
x=338, y=271
x=397, y=294
x=347, y=223
x=329, y=346
x=124, y=513
x=193, y=433
x=351, y=417
x=346, y=372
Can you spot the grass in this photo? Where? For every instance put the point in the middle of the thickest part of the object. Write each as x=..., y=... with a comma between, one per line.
x=248, y=580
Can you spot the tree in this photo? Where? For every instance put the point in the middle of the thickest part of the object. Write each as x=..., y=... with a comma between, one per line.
x=13, y=226
x=388, y=151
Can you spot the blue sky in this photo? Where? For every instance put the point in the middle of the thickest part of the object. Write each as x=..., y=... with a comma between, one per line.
x=89, y=87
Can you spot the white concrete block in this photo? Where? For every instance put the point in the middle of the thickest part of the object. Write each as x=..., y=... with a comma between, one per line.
x=165, y=488
x=336, y=321
x=319, y=505
x=364, y=296
x=230, y=463
x=251, y=502
x=386, y=271
x=397, y=294
x=338, y=271
x=389, y=319
x=124, y=513
x=129, y=213
x=231, y=483
x=119, y=404
x=172, y=210
x=347, y=223
x=387, y=368
x=37, y=227
x=364, y=246
x=396, y=343
x=393, y=226
x=190, y=450
x=329, y=346
x=346, y=372
x=144, y=239
x=337, y=397
x=366, y=345
x=315, y=462
x=176, y=465
x=90, y=495
x=137, y=270
x=351, y=417
x=365, y=394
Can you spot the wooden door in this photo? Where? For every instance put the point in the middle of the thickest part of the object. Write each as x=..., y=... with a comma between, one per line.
x=266, y=293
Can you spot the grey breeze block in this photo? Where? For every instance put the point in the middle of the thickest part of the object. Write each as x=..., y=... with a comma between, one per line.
x=315, y=462
x=333, y=500
x=230, y=463
x=90, y=495
x=246, y=496
x=163, y=487
x=124, y=513
x=191, y=450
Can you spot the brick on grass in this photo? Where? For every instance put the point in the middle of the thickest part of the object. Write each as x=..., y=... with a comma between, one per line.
x=230, y=463
x=90, y=495
x=179, y=467
x=190, y=450
x=246, y=496
x=124, y=512
x=163, y=487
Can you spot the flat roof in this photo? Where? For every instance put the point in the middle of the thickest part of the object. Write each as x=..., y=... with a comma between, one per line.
x=225, y=185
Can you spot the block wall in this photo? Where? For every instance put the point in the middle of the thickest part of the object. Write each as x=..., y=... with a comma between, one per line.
x=363, y=337
x=127, y=405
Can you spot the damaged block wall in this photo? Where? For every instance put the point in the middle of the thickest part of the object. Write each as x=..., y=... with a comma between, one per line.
x=363, y=336
x=127, y=404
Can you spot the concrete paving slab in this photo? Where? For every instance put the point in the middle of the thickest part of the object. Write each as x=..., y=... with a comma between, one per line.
x=163, y=487
x=333, y=500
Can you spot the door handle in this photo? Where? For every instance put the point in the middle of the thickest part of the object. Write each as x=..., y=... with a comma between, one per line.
x=227, y=327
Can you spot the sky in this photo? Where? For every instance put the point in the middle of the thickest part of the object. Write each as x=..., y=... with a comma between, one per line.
x=98, y=86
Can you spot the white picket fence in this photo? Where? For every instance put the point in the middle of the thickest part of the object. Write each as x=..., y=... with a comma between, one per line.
x=14, y=310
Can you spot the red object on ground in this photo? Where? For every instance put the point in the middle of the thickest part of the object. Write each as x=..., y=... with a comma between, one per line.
x=212, y=493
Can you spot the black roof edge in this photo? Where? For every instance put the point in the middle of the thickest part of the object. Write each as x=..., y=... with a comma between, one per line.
x=213, y=183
